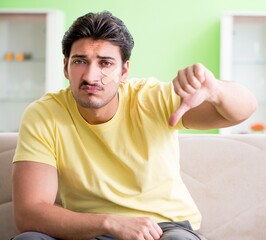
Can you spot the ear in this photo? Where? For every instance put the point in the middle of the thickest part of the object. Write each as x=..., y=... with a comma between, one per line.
x=65, y=68
x=125, y=71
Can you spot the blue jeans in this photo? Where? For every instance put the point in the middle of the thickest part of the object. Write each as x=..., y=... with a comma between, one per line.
x=171, y=231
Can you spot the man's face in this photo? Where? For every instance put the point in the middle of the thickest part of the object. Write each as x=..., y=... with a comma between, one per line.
x=95, y=70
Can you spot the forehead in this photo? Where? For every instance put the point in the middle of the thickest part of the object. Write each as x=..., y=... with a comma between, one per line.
x=89, y=47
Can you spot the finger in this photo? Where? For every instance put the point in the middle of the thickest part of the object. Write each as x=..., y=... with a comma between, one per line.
x=153, y=235
x=188, y=82
x=199, y=72
x=155, y=231
x=181, y=85
x=156, y=234
x=176, y=116
x=158, y=229
x=193, y=79
x=148, y=236
x=178, y=89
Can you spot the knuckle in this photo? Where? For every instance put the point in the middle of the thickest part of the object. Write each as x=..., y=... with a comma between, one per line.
x=146, y=221
x=139, y=234
x=180, y=71
x=189, y=89
x=198, y=65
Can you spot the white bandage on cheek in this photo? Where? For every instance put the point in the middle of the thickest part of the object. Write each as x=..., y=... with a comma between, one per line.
x=111, y=74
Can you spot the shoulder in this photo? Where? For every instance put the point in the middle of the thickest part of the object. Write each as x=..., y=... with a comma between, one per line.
x=137, y=83
x=46, y=111
x=149, y=85
x=50, y=102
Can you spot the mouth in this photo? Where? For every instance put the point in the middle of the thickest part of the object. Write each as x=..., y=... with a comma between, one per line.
x=90, y=88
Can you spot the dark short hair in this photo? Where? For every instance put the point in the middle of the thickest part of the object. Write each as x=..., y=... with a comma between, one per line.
x=99, y=26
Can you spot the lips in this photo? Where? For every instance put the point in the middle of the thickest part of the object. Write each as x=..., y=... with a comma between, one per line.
x=90, y=88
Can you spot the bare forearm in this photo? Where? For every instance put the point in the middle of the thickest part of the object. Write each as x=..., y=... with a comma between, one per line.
x=61, y=223
x=234, y=102
x=228, y=105
x=58, y=222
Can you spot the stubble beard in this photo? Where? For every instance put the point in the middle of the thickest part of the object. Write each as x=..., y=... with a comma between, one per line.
x=90, y=102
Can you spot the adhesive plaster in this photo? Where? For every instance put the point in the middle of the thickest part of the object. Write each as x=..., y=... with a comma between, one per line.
x=110, y=75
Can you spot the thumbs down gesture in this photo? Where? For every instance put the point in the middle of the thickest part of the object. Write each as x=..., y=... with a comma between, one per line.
x=194, y=84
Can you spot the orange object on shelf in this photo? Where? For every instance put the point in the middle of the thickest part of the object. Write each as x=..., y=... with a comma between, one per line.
x=20, y=57
x=23, y=56
x=9, y=57
x=258, y=127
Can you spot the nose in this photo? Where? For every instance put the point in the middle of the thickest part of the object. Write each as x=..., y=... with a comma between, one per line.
x=92, y=73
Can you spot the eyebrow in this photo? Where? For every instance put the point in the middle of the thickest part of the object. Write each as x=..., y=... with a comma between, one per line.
x=86, y=56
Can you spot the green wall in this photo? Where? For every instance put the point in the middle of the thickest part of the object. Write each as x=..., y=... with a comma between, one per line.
x=169, y=35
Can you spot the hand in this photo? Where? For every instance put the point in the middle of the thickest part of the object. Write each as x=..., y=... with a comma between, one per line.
x=194, y=85
x=132, y=228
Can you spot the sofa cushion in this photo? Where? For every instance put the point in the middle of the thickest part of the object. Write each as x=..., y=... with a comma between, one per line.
x=226, y=177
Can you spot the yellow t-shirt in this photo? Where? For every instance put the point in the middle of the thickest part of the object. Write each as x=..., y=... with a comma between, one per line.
x=128, y=165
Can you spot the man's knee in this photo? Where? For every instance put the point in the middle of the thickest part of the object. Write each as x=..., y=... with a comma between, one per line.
x=179, y=234
x=33, y=236
x=178, y=231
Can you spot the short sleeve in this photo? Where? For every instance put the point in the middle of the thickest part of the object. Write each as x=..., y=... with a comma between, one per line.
x=36, y=141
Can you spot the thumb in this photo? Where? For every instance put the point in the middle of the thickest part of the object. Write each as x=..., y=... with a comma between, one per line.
x=176, y=116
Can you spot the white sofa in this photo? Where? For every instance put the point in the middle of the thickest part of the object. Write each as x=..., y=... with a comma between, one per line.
x=226, y=175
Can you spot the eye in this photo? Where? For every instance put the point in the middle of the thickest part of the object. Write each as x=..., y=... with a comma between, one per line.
x=79, y=61
x=106, y=64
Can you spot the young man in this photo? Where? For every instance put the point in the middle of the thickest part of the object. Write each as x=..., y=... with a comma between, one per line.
x=109, y=144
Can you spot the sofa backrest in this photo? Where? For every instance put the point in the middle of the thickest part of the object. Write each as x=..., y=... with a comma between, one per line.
x=226, y=176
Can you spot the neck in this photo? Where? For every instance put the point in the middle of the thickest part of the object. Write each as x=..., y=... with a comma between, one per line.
x=100, y=115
